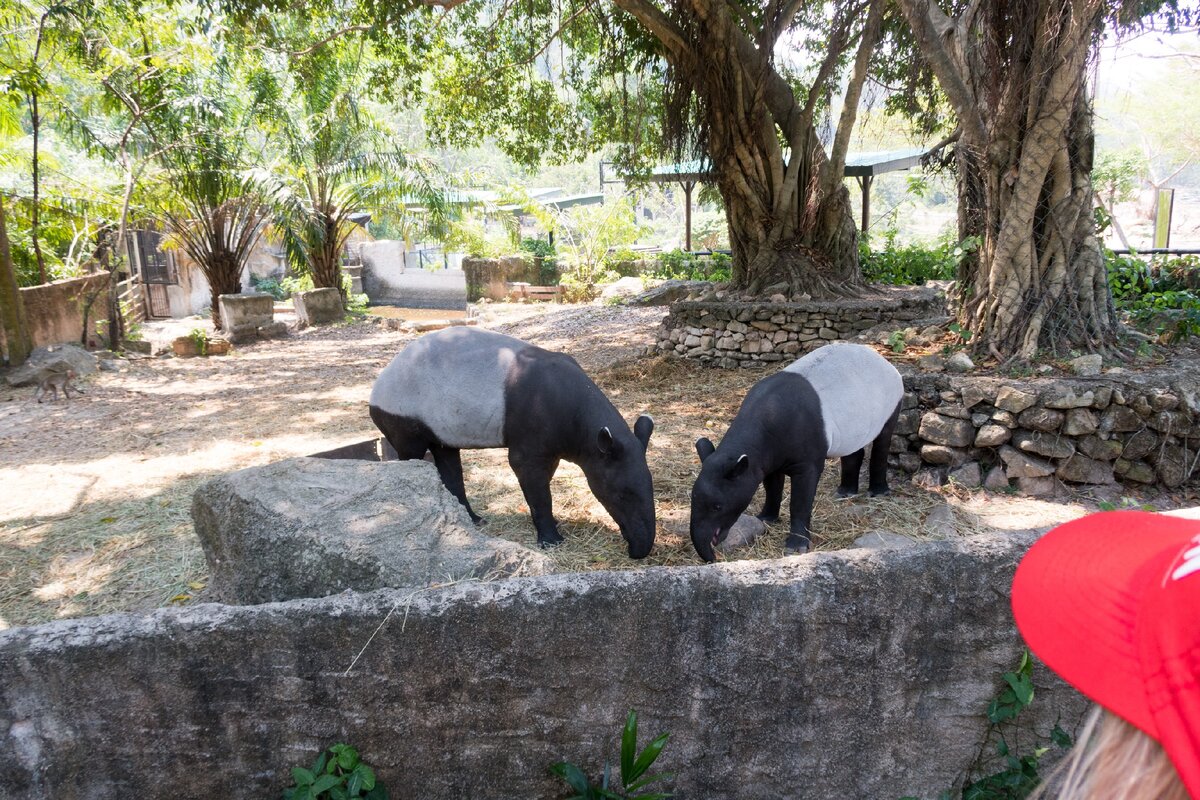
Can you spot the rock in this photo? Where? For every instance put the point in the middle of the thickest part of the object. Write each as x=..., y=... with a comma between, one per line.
x=883, y=540
x=1175, y=465
x=309, y=527
x=1044, y=445
x=668, y=292
x=931, y=363
x=1164, y=401
x=1062, y=396
x=992, y=435
x=996, y=480
x=1081, y=469
x=1087, y=365
x=1037, y=487
x=243, y=315
x=959, y=362
x=1005, y=418
x=1014, y=400
x=1080, y=422
x=1120, y=419
x=909, y=462
x=622, y=289
x=1139, y=445
x=954, y=410
x=969, y=475
x=1100, y=449
x=940, y=522
x=53, y=358
x=942, y=455
x=1041, y=419
x=1138, y=471
x=974, y=394
x=1019, y=465
x=908, y=422
x=744, y=533
x=929, y=478
x=949, y=431
x=776, y=298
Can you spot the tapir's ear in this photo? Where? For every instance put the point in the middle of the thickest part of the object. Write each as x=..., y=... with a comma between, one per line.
x=642, y=430
x=738, y=467
x=604, y=440
x=704, y=448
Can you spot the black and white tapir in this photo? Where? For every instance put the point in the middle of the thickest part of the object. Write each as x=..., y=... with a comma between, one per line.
x=829, y=404
x=467, y=388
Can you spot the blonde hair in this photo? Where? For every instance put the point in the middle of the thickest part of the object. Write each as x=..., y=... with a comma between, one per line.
x=1113, y=760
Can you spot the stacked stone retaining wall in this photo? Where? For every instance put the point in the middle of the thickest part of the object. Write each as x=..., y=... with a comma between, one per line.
x=1034, y=433
x=738, y=334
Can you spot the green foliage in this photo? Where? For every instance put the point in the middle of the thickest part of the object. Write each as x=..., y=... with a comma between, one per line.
x=544, y=257
x=633, y=768
x=1017, y=775
x=1161, y=295
x=681, y=265
x=270, y=286
x=1124, y=504
x=897, y=341
x=337, y=774
x=355, y=303
x=200, y=338
x=1117, y=176
x=913, y=263
x=292, y=284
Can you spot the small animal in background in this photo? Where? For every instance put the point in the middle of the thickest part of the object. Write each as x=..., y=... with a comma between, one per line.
x=53, y=381
x=830, y=404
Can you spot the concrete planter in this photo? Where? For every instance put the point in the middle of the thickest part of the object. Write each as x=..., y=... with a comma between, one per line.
x=187, y=347
x=318, y=306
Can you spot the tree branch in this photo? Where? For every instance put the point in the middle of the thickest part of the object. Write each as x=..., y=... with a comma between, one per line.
x=937, y=34
x=335, y=35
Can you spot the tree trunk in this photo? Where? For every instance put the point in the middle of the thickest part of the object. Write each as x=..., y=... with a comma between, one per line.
x=1024, y=161
x=224, y=274
x=790, y=225
x=35, y=119
x=12, y=310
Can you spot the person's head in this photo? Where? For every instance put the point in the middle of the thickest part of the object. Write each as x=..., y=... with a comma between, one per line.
x=1111, y=602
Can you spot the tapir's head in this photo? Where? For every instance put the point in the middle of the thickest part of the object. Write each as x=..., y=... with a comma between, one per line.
x=620, y=480
x=725, y=487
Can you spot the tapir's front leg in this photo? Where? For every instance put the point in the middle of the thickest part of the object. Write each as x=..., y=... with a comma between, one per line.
x=534, y=474
x=804, y=491
x=773, y=491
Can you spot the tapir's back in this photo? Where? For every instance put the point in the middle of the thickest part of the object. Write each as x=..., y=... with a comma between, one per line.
x=453, y=381
x=858, y=389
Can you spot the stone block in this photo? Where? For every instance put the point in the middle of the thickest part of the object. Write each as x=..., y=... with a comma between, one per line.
x=1050, y=446
x=318, y=306
x=1037, y=487
x=969, y=474
x=1041, y=419
x=992, y=435
x=1063, y=396
x=948, y=431
x=1009, y=398
x=1139, y=445
x=1005, y=418
x=1087, y=365
x=1020, y=465
x=1120, y=419
x=960, y=362
x=243, y=314
x=1100, y=449
x=996, y=480
x=1081, y=469
x=942, y=455
x=309, y=527
x=1080, y=422
x=1138, y=471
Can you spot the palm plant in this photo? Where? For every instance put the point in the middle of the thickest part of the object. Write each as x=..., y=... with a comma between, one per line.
x=214, y=210
x=337, y=160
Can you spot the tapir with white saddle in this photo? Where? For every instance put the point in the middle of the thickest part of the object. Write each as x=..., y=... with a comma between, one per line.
x=831, y=403
x=464, y=388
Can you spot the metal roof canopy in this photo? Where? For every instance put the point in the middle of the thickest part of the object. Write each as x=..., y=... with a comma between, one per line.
x=861, y=166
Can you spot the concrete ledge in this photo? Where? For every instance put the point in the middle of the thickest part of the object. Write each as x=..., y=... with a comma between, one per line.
x=243, y=315
x=318, y=306
x=860, y=673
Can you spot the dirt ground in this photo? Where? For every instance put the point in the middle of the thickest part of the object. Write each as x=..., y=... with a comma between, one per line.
x=95, y=492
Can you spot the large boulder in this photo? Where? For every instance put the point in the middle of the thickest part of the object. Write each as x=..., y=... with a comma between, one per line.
x=310, y=527
x=55, y=358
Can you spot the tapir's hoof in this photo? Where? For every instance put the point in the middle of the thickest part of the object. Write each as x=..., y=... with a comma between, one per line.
x=768, y=518
x=845, y=494
x=884, y=492
x=549, y=544
x=479, y=521
x=795, y=551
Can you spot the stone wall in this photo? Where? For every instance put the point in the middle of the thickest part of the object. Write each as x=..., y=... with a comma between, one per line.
x=488, y=277
x=1138, y=429
x=55, y=310
x=732, y=334
x=862, y=673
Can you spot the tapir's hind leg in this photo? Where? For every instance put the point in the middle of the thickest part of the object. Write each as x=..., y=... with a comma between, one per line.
x=773, y=489
x=449, y=467
x=880, y=448
x=851, y=466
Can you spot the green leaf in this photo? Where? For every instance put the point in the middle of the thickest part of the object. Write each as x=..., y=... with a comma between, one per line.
x=302, y=777
x=629, y=748
x=573, y=775
x=647, y=758
x=339, y=793
x=347, y=757
x=367, y=776
x=1060, y=737
x=1022, y=687
x=319, y=764
x=325, y=782
x=644, y=782
x=354, y=783
x=378, y=793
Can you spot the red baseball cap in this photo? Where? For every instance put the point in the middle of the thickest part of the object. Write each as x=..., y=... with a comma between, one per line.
x=1111, y=602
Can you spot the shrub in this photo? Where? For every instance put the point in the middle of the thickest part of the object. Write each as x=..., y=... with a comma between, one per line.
x=269, y=286
x=681, y=265
x=1161, y=295
x=913, y=263
x=634, y=766
x=337, y=774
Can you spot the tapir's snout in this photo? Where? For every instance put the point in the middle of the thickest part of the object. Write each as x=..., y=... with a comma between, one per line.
x=705, y=538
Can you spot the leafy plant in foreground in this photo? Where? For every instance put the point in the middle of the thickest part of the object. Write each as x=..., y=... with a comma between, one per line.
x=633, y=767
x=337, y=774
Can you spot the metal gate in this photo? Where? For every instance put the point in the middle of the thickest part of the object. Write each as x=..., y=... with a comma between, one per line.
x=156, y=268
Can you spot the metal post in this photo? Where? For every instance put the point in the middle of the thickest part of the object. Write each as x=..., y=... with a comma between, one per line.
x=864, y=183
x=687, y=214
